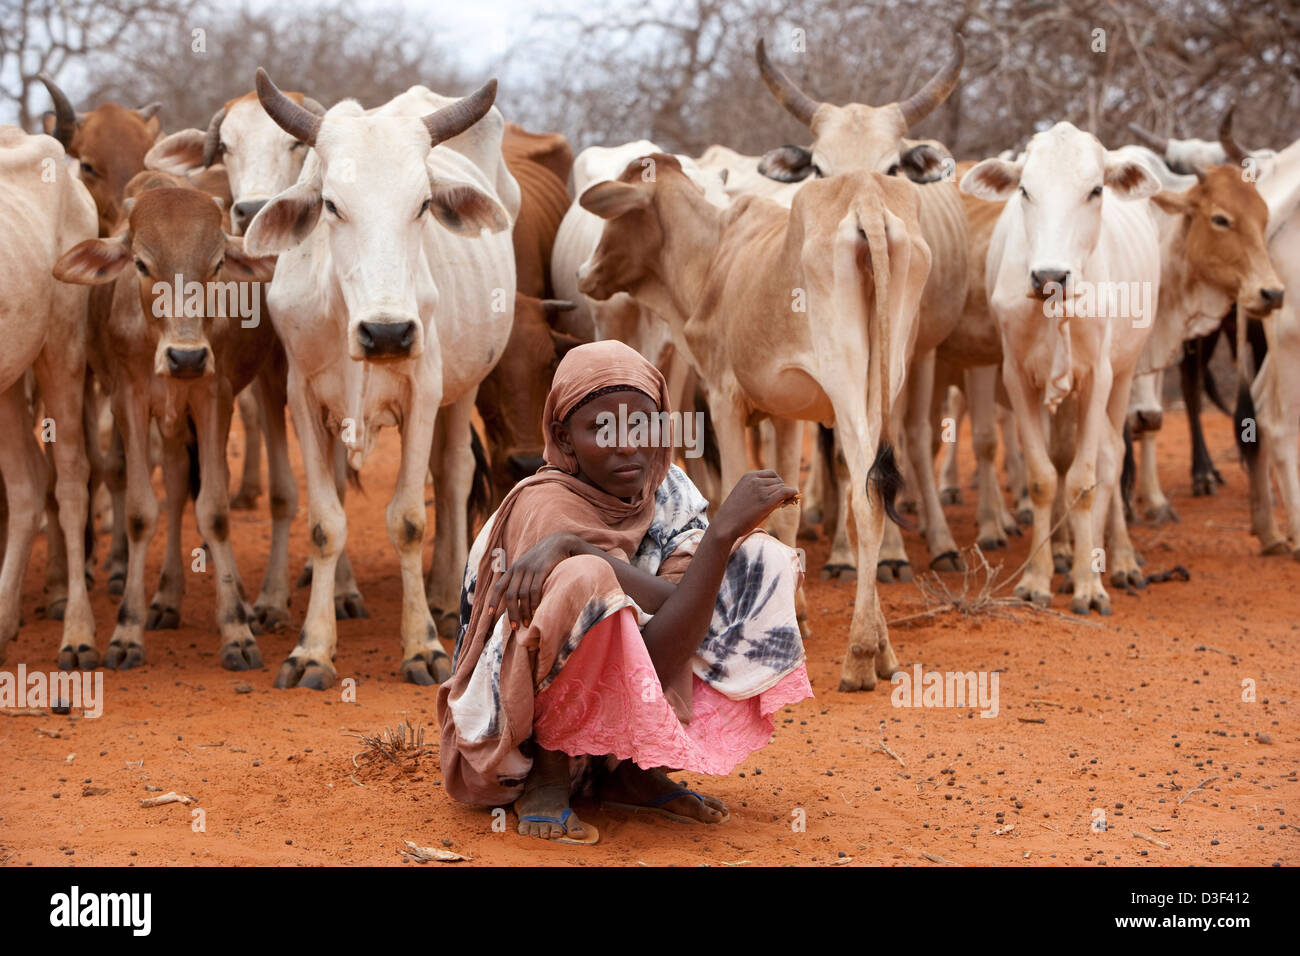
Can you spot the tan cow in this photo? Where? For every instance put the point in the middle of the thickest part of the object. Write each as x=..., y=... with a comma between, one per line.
x=857, y=137
x=43, y=209
x=174, y=347
x=725, y=280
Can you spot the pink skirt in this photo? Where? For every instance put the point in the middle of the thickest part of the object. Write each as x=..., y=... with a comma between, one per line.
x=607, y=700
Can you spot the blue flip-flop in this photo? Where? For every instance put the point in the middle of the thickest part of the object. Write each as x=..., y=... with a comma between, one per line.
x=562, y=821
x=657, y=806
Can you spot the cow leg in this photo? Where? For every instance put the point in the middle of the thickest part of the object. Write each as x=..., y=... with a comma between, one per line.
x=443, y=444
x=1277, y=403
x=1091, y=481
x=271, y=609
x=115, y=479
x=452, y=465
x=1013, y=462
x=165, y=608
x=131, y=416
x=26, y=474
x=251, y=414
x=938, y=537
x=842, y=562
x=991, y=532
x=1151, y=497
x=1031, y=420
x=1122, y=558
x=784, y=522
x=212, y=413
x=869, y=653
x=311, y=662
x=348, y=602
x=57, y=369
x=952, y=410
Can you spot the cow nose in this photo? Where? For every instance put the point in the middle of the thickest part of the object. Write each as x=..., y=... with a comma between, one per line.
x=1149, y=421
x=386, y=339
x=186, y=363
x=243, y=212
x=1272, y=297
x=1039, y=278
x=521, y=466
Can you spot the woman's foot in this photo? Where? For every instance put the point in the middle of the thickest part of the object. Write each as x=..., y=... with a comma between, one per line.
x=546, y=795
x=628, y=787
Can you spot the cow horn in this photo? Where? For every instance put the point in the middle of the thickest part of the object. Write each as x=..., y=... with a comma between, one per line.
x=147, y=113
x=302, y=124
x=65, y=117
x=314, y=106
x=454, y=119
x=212, y=141
x=921, y=103
x=1158, y=143
x=797, y=103
x=1230, y=146
x=558, y=305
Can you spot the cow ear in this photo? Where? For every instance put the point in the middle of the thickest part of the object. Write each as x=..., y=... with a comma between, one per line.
x=994, y=180
x=787, y=164
x=925, y=164
x=1129, y=178
x=1171, y=202
x=466, y=210
x=285, y=221
x=245, y=265
x=178, y=153
x=609, y=199
x=94, y=261
x=47, y=122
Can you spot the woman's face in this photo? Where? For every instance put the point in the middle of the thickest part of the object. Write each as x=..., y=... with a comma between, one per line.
x=593, y=436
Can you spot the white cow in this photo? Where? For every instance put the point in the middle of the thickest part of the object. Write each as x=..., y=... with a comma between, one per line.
x=44, y=209
x=1065, y=231
x=388, y=316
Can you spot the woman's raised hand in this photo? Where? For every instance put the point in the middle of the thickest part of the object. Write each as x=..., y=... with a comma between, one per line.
x=518, y=590
x=755, y=496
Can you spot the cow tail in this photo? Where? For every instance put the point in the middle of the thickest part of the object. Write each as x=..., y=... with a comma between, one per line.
x=884, y=473
x=192, y=452
x=1128, y=471
x=480, y=490
x=1252, y=347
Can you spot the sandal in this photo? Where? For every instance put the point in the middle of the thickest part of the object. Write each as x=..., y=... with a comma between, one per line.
x=657, y=806
x=593, y=835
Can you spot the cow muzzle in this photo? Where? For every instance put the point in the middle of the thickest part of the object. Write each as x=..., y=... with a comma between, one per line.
x=381, y=339
x=187, y=363
x=1047, y=282
x=242, y=213
x=1143, y=420
x=1267, y=300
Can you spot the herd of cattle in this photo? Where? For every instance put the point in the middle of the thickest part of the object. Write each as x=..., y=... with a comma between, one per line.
x=424, y=259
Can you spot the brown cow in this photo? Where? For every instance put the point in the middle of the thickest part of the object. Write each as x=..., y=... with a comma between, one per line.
x=169, y=352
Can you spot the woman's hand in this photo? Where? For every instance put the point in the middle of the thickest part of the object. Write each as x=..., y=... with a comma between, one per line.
x=755, y=496
x=518, y=590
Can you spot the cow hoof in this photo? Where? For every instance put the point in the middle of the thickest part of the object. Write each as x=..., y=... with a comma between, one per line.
x=347, y=606
x=1012, y=527
x=948, y=561
x=241, y=656
x=304, y=672
x=271, y=618
x=54, y=610
x=1161, y=514
x=83, y=657
x=859, y=673
x=117, y=583
x=840, y=572
x=162, y=618
x=1060, y=564
x=950, y=496
x=907, y=506
x=1100, y=603
x=1025, y=516
x=887, y=572
x=1128, y=579
x=1067, y=586
x=427, y=669
x=991, y=544
x=447, y=625
x=304, y=579
x=1274, y=549
x=1032, y=596
x=120, y=657
x=246, y=500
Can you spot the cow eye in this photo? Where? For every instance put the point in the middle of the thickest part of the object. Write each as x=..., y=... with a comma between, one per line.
x=1220, y=221
x=425, y=208
x=141, y=267
x=1024, y=193
x=88, y=169
x=818, y=171
x=893, y=170
x=333, y=209
x=1096, y=191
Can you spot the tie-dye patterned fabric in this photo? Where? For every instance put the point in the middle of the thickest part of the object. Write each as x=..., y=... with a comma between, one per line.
x=753, y=640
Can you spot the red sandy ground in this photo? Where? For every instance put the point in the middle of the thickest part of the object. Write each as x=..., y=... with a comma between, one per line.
x=1127, y=716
